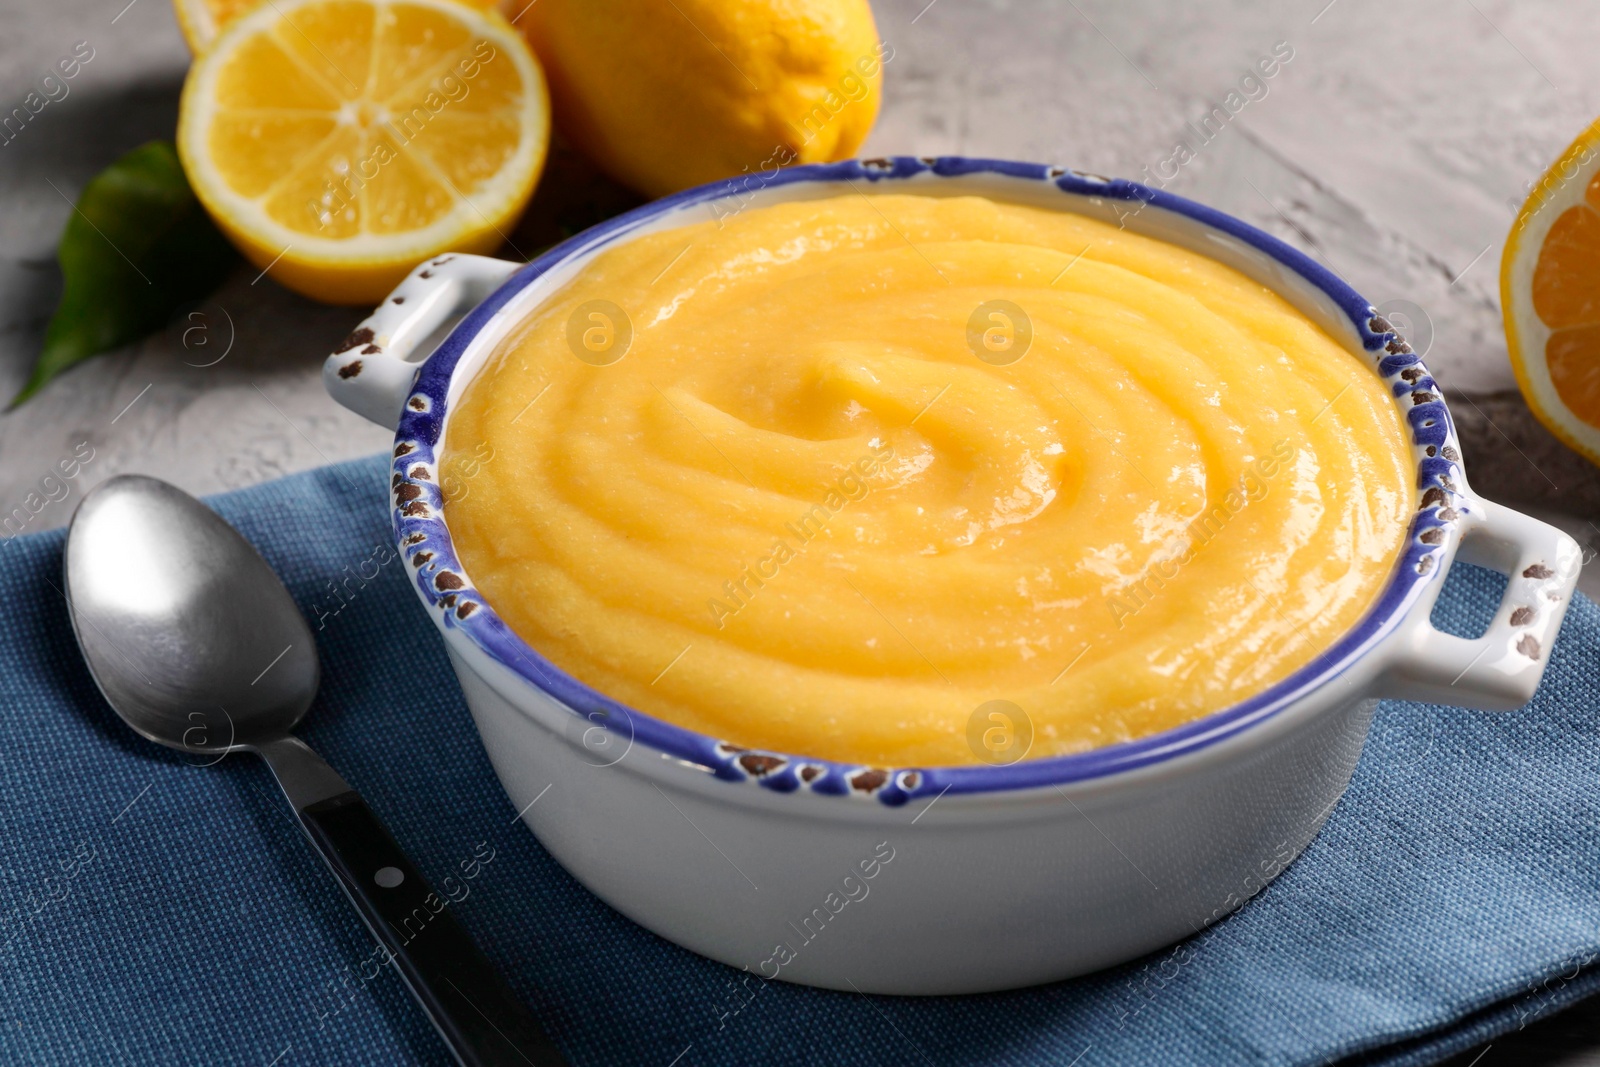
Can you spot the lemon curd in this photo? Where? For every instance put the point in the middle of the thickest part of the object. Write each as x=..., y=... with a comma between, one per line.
x=906, y=480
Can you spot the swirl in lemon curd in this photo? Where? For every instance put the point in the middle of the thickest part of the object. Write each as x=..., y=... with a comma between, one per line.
x=867, y=464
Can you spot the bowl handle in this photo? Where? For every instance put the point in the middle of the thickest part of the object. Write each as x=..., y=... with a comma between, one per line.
x=1499, y=670
x=370, y=373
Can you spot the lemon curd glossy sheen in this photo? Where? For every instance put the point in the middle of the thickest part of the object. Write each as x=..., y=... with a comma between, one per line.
x=852, y=470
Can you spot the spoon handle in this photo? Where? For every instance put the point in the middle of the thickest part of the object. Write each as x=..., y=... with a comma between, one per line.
x=479, y=1017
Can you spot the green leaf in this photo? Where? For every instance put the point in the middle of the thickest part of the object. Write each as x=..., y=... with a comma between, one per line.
x=137, y=247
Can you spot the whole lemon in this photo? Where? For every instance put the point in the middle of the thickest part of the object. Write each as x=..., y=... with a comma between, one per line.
x=668, y=95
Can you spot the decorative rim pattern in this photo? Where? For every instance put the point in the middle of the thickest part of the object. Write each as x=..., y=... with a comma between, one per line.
x=425, y=543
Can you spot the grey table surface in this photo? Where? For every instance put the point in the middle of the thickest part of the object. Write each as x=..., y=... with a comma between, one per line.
x=1394, y=146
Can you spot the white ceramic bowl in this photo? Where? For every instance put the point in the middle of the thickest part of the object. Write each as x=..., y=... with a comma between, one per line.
x=944, y=879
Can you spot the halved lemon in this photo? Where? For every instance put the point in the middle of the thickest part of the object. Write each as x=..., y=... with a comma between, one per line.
x=202, y=20
x=1550, y=293
x=338, y=143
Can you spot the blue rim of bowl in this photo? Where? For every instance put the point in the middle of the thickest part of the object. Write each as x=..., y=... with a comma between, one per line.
x=444, y=584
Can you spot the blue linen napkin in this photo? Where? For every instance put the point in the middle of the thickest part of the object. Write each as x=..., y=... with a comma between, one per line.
x=157, y=912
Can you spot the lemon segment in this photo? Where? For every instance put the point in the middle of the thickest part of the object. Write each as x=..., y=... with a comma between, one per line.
x=339, y=143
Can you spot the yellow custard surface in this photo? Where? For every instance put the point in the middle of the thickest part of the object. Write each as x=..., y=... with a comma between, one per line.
x=793, y=478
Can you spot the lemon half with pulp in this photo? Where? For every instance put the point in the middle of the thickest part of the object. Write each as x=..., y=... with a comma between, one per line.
x=1550, y=293
x=338, y=143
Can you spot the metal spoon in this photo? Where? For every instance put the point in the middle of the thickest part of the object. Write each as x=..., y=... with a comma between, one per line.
x=196, y=645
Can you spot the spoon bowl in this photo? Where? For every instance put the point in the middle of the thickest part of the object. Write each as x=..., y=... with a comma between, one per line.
x=188, y=633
